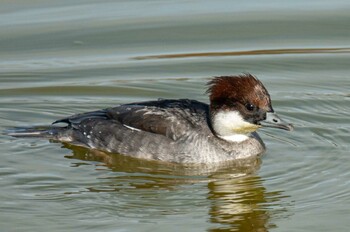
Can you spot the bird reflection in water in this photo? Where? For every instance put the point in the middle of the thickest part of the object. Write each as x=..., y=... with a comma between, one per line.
x=243, y=204
x=237, y=199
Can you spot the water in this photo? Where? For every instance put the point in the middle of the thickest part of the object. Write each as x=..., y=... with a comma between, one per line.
x=63, y=57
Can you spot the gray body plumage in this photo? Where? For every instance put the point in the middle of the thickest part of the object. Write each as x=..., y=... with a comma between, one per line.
x=168, y=130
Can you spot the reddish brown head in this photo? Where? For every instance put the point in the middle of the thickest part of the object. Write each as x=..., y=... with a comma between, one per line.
x=241, y=104
x=244, y=93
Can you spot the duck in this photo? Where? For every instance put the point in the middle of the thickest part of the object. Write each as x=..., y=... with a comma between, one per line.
x=183, y=131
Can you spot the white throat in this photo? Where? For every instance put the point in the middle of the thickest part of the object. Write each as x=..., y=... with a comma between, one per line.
x=230, y=126
x=234, y=138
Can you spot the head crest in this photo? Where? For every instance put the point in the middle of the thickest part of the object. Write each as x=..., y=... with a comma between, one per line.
x=244, y=88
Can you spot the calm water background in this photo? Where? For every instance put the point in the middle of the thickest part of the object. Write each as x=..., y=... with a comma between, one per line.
x=63, y=57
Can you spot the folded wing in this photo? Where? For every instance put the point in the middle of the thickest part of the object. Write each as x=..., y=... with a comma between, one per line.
x=170, y=118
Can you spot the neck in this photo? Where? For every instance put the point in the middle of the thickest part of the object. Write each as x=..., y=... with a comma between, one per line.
x=237, y=138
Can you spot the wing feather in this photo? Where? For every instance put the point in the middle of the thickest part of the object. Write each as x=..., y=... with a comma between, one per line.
x=171, y=118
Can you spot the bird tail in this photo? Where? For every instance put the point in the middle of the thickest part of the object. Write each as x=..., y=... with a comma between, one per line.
x=49, y=132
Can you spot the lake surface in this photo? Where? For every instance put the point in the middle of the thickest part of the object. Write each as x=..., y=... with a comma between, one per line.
x=58, y=58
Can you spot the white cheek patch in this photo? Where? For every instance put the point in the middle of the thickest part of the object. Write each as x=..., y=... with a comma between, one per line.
x=226, y=122
x=231, y=126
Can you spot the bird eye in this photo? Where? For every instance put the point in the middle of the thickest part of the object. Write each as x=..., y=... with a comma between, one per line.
x=249, y=107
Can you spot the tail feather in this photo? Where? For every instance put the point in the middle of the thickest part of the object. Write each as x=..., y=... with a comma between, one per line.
x=49, y=132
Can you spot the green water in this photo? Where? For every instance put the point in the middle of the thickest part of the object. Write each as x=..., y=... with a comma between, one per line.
x=58, y=58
